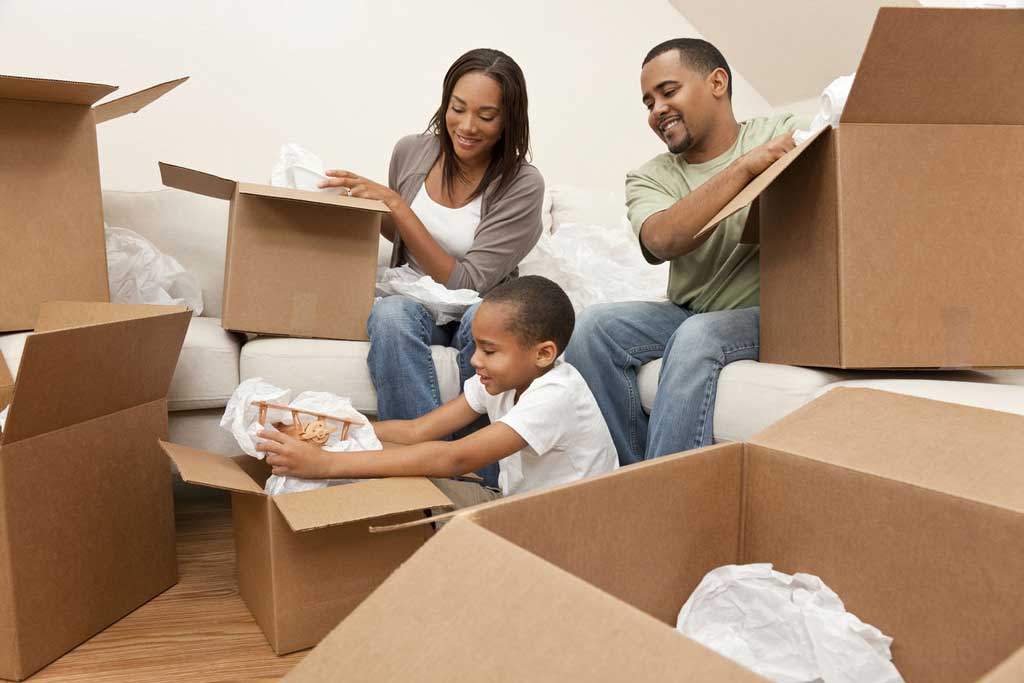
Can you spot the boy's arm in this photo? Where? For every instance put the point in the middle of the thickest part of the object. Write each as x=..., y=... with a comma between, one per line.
x=672, y=232
x=290, y=457
x=437, y=424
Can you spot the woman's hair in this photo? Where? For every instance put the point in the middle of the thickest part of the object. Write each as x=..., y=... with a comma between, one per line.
x=513, y=147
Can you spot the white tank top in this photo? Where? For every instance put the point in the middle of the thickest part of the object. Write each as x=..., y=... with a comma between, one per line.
x=453, y=229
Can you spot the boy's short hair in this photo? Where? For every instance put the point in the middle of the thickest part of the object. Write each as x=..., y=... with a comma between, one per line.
x=543, y=311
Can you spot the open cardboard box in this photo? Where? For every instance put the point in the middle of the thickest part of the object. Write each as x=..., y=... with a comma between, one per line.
x=86, y=510
x=897, y=239
x=51, y=210
x=911, y=510
x=298, y=263
x=305, y=560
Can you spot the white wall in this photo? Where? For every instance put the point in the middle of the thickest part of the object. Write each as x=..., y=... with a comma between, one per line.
x=346, y=78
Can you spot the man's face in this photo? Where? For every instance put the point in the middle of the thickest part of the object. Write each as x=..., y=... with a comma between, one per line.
x=679, y=101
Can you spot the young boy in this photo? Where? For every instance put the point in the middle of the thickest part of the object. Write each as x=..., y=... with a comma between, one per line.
x=546, y=427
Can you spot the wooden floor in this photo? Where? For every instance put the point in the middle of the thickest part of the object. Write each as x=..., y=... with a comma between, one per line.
x=198, y=631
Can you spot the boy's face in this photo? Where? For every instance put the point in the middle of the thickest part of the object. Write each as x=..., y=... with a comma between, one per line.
x=501, y=360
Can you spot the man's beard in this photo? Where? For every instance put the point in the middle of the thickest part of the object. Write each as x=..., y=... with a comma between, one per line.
x=683, y=145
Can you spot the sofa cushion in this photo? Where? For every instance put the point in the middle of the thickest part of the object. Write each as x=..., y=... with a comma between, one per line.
x=752, y=395
x=1007, y=398
x=207, y=370
x=330, y=365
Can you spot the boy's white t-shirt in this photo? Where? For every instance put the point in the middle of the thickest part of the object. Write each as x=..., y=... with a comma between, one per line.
x=558, y=417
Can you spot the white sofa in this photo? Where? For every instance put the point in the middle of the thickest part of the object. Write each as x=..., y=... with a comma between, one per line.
x=192, y=228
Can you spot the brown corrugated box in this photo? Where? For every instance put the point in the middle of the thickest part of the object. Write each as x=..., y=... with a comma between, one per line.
x=51, y=211
x=87, y=518
x=911, y=510
x=298, y=263
x=305, y=560
x=897, y=239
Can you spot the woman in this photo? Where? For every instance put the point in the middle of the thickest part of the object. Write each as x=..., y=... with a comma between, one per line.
x=465, y=209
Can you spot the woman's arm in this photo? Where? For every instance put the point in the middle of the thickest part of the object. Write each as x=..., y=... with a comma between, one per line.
x=288, y=456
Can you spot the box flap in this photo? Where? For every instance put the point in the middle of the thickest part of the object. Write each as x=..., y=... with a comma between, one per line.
x=68, y=376
x=49, y=90
x=368, y=499
x=928, y=65
x=210, y=469
x=759, y=184
x=129, y=104
x=6, y=383
x=196, y=181
x=312, y=197
x=1010, y=671
x=59, y=315
x=967, y=452
x=470, y=591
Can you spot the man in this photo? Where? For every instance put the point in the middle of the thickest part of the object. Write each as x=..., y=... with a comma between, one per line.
x=711, y=318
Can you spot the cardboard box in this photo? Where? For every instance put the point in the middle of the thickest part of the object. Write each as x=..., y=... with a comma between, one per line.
x=897, y=239
x=87, y=518
x=298, y=263
x=51, y=210
x=911, y=510
x=305, y=560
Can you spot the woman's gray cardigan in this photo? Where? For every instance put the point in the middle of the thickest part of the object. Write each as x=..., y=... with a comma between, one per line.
x=510, y=224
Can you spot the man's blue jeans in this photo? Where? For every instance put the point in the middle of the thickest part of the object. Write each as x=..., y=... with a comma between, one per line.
x=612, y=341
x=401, y=333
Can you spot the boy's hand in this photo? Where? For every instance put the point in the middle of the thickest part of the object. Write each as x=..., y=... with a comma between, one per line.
x=291, y=457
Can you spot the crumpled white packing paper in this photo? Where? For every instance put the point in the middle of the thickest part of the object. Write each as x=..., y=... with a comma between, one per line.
x=300, y=169
x=790, y=629
x=446, y=305
x=241, y=418
x=830, y=107
x=596, y=264
x=139, y=273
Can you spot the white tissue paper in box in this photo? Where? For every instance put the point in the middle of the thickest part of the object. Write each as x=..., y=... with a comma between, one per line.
x=830, y=107
x=241, y=418
x=597, y=264
x=790, y=629
x=446, y=305
x=300, y=169
x=139, y=273
x=3, y=417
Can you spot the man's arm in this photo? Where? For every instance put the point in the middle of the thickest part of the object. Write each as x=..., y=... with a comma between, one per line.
x=290, y=457
x=437, y=424
x=672, y=232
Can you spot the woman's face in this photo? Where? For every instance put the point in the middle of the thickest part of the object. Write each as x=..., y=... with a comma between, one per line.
x=474, y=118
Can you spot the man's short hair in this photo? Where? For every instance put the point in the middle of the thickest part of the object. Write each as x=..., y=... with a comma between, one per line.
x=542, y=310
x=699, y=55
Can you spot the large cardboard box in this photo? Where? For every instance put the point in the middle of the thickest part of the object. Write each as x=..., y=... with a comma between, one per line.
x=51, y=212
x=305, y=560
x=87, y=518
x=911, y=510
x=897, y=239
x=298, y=263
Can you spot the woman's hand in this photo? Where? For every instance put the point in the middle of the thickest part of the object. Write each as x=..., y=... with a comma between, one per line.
x=291, y=457
x=358, y=186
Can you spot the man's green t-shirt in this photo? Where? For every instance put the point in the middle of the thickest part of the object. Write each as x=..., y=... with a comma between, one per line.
x=721, y=273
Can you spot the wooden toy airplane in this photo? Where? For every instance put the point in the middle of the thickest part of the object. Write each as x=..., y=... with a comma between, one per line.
x=315, y=431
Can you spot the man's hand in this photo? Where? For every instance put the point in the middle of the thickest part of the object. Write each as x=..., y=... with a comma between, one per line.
x=291, y=457
x=358, y=186
x=760, y=158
